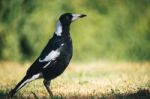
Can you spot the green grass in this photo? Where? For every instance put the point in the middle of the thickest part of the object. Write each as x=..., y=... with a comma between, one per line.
x=104, y=80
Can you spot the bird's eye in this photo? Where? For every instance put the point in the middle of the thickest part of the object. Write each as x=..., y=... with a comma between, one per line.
x=67, y=17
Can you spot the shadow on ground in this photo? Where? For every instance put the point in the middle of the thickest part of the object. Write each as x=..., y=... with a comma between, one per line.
x=141, y=94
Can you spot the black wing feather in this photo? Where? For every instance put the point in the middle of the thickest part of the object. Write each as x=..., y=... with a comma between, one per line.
x=37, y=66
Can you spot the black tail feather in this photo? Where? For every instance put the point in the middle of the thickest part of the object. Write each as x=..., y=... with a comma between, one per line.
x=18, y=86
x=11, y=93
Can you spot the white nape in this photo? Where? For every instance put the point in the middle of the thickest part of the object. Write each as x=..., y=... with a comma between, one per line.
x=75, y=16
x=58, y=30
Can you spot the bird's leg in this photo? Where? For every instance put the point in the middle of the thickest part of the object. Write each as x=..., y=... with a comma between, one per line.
x=47, y=85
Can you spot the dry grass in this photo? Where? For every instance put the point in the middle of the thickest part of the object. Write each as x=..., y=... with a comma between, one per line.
x=90, y=80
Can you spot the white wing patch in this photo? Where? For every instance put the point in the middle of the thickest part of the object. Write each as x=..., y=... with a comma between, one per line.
x=47, y=64
x=51, y=56
x=58, y=30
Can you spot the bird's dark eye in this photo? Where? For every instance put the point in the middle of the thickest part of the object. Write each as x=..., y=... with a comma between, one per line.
x=67, y=17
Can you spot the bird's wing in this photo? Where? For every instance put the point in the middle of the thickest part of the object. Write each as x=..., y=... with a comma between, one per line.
x=48, y=55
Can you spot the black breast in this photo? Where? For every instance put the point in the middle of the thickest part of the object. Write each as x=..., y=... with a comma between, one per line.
x=68, y=50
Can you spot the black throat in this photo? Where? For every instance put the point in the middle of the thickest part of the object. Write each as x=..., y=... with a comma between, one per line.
x=66, y=30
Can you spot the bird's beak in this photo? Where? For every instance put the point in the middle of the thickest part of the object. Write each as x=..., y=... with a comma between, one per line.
x=77, y=16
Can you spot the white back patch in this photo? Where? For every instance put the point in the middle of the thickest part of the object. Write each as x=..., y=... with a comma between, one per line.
x=58, y=30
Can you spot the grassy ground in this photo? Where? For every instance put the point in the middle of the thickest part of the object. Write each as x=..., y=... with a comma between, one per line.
x=102, y=80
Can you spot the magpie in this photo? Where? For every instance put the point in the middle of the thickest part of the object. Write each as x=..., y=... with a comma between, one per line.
x=54, y=58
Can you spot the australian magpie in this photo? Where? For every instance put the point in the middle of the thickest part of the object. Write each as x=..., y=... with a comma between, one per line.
x=54, y=58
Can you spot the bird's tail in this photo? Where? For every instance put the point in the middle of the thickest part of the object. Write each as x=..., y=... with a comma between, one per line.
x=18, y=86
x=22, y=83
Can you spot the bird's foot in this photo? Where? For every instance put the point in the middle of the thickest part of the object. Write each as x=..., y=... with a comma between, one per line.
x=51, y=95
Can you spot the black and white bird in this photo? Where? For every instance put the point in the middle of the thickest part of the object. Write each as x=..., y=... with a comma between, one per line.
x=54, y=58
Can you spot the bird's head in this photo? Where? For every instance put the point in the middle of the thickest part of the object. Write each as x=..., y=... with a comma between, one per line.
x=68, y=18
x=64, y=22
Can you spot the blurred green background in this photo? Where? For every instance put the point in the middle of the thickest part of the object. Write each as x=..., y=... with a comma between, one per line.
x=113, y=29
